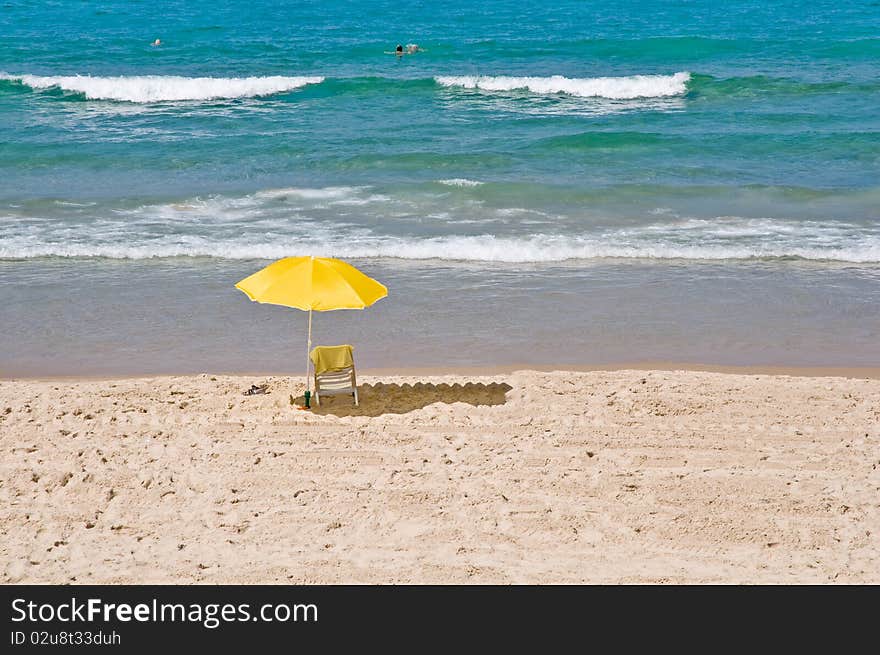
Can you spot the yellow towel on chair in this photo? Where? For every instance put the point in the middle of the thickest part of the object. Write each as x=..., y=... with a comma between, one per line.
x=331, y=358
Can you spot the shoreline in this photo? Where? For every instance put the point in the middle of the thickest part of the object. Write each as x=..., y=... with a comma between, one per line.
x=846, y=372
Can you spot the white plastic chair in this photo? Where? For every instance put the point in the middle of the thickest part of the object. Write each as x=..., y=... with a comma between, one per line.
x=335, y=381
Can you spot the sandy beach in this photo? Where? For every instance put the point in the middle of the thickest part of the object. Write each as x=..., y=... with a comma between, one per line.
x=524, y=477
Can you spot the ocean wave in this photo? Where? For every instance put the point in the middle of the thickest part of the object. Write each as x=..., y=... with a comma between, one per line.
x=324, y=193
x=372, y=222
x=460, y=182
x=533, y=249
x=613, y=88
x=163, y=88
x=638, y=89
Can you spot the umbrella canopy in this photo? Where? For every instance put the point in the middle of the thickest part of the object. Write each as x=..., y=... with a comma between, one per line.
x=317, y=284
x=312, y=283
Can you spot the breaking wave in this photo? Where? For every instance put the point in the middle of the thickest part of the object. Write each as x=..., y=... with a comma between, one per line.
x=367, y=222
x=538, y=248
x=164, y=88
x=613, y=88
x=460, y=182
x=483, y=248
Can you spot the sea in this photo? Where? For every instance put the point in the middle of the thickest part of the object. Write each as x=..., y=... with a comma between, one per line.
x=566, y=184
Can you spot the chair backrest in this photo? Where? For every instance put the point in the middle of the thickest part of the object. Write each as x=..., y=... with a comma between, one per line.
x=330, y=380
x=331, y=358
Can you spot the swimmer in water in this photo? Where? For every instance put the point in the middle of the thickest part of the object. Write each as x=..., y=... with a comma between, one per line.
x=399, y=49
x=412, y=48
x=156, y=43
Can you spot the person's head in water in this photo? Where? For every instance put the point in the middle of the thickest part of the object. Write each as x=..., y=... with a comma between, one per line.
x=399, y=49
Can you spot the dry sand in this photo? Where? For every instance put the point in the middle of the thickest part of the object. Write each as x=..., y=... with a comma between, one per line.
x=626, y=476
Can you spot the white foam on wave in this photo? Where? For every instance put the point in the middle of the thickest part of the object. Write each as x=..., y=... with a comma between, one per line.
x=460, y=182
x=613, y=88
x=299, y=221
x=165, y=88
x=332, y=196
x=481, y=248
x=323, y=193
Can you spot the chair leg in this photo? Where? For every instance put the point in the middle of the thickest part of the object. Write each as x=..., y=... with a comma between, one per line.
x=355, y=397
x=317, y=399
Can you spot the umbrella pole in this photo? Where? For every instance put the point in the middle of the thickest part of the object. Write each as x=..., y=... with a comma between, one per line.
x=308, y=351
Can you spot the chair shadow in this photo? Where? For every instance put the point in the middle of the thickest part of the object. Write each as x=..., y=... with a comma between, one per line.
x=380, y=398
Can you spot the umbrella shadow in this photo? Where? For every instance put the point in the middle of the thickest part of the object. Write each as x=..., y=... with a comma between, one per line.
x=380, y=398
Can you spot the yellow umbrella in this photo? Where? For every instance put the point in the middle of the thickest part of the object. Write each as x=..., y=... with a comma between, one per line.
x=312, y=284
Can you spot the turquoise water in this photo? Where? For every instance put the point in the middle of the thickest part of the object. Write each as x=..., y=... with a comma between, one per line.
x=651, y=139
